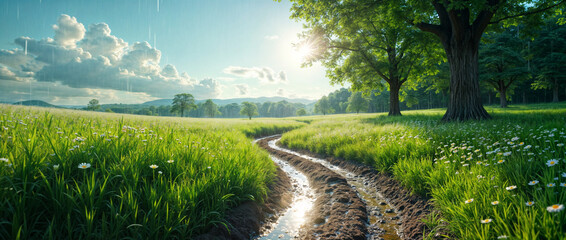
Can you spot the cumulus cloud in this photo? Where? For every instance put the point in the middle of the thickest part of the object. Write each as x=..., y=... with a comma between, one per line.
x=264, y=74
x=95, y=60
x=98, y=41
x=6, y=74
x=271, y=37
x=68, y=31
x=243, y=89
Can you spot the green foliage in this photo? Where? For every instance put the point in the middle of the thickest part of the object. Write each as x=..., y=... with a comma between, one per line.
x=357, y=103
x=550, y=51
x=456, y=162
x=143, y=177
x=210, y=108
x=93, y=105
x=502, y=62
x=183, y=102
x=323, y=106
x=301, y=112
x=249, y=109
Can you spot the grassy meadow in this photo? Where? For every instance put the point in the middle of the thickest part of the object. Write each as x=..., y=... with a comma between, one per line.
x=503, y=178
x=78, y=175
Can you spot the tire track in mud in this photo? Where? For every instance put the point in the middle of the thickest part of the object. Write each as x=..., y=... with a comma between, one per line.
x=410, y=209
x=338, y=212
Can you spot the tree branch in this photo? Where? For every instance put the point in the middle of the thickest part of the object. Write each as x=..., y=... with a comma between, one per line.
x=528, y=12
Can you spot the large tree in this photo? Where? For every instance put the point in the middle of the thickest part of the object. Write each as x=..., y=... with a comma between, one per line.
x=458, y=24
x=502, y=64
x=358, y=44
x=183, y=102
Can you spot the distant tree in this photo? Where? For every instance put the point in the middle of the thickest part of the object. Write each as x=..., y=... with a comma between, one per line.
x=323, y=106
x=108, y=110
x=301, y=112
x=357, y=103
x=210, y=108
x=501, y=62
x=249, y=109
x=93, y=105
x=549, y=49
x=339, y=100
x=231, y=110
x=183, y=102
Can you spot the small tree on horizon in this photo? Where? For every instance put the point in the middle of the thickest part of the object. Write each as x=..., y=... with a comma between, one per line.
x=210, y=108
x=323, y=106
x=93, y=105
x=183, y=102
x=357, y=103
x=249, y=109
x=301, y=112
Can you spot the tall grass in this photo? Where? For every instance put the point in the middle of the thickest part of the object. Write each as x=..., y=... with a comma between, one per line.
x=77, y=175
x=499, y=178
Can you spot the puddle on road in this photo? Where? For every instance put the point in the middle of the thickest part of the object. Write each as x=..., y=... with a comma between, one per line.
x=383, y=221
x=289, y=223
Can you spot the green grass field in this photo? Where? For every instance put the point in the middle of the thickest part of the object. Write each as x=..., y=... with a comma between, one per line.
x=502, y=178
x=78, y=175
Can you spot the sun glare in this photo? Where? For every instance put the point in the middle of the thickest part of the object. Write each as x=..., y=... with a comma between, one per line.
x=303, y=52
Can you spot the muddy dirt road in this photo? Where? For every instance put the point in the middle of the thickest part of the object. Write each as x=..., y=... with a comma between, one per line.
x=352, y=200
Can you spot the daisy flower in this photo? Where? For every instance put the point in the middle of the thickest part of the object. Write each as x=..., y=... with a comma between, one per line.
x=153, y=166
x=533, y=182
x=170, y=161
x=555, y=208
x=510, y=188
x=530, y=203
x=495, y=203
x=84, y=165
x=552, y=162
x=550, y=185
x=469, y=201
x=487, y=220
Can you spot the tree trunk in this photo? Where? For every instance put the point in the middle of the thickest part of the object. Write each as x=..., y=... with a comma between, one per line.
x=503, y=98
x=465, y=99
x=394, y=109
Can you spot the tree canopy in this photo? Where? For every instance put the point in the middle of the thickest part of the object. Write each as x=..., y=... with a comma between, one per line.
x=249, y=109
x=183, y=102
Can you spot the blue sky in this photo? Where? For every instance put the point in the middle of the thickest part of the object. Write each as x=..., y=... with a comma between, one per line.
x=138, y=50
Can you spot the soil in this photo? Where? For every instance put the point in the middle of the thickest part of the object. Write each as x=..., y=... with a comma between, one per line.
x=411, y=208
x=244, y=221
x=338, y=212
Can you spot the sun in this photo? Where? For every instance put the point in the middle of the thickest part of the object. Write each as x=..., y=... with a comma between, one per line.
x=303, y=52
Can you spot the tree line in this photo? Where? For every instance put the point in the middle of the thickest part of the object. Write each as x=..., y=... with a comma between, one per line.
x=184, y=105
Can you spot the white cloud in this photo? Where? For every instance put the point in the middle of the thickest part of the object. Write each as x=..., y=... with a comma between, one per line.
x=6, y=74
x=98, y=41
x=95, y=59
x=68, y=31
x=264, y=74
x=243, y=89
x=271, y=37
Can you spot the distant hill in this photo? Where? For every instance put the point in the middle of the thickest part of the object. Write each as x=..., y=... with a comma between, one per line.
x=37, y=103
x=161, y=102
